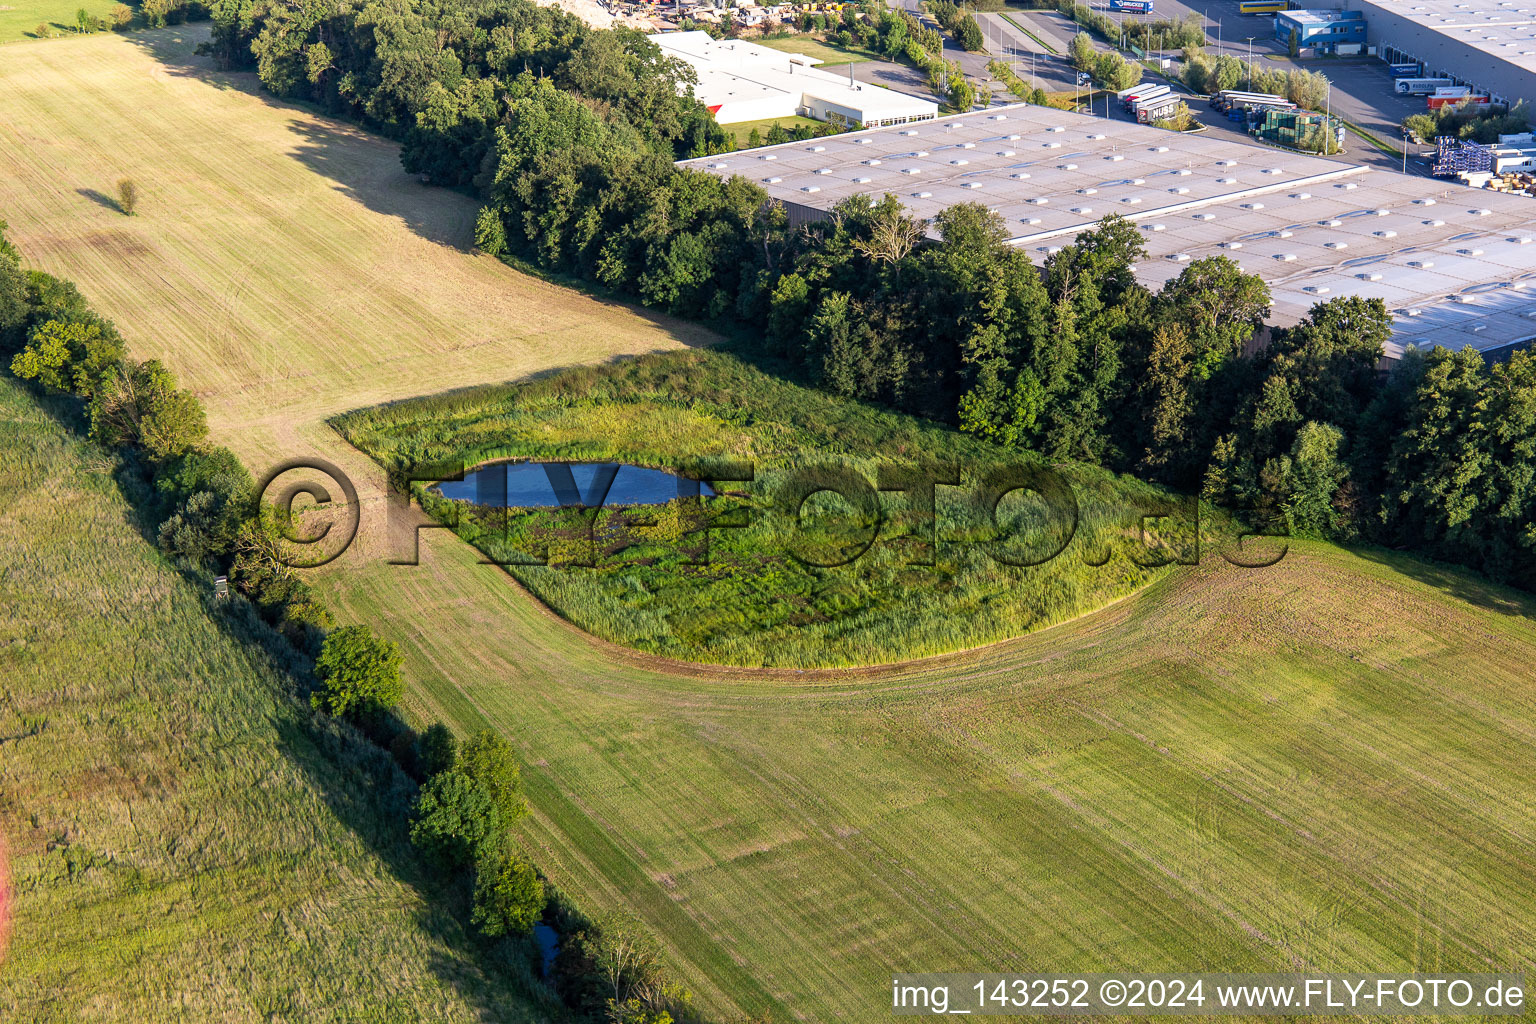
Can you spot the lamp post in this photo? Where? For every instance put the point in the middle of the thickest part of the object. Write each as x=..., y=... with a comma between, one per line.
x=1250, y=63
x=1328, y=115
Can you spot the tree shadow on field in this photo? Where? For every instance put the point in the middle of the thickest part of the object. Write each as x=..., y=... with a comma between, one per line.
x=365, y=167
x=100, y=199
x=174, y=49
x=1458, y=581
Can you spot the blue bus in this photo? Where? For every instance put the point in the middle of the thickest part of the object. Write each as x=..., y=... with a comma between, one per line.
x=1131, y=6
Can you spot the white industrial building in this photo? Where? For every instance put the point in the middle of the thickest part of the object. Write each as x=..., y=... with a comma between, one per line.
x=742, y=81
x=1456, y=265
x=1487, y=44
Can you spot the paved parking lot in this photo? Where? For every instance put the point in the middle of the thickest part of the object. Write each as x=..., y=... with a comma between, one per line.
x=1362, y=89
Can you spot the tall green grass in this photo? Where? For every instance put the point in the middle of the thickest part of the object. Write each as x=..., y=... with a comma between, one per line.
x=646, y=578
x=188, y=841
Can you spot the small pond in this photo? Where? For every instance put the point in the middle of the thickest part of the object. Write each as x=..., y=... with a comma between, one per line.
x=548, y=941
x=550, y=484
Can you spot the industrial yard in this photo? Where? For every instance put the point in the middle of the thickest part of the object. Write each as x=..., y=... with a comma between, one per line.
x=1492, y=48
x=1451, y=262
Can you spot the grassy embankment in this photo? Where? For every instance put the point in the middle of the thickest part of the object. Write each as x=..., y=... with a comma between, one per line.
x=188, y=840
x=753, y=603
x=741, y=131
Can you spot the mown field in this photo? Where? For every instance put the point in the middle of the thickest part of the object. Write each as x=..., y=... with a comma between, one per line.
x=187, y=841
x=857, y=579
x=1325, y=764
x=1321, y=764
x=282, y=262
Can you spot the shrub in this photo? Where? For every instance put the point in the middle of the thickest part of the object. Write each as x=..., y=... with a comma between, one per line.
x=403, y=749
x=127, y=196
x=454, y=820
x=437, y=750
x=68, y=356
x=489, y=760
x=43, y=31
x=121, y=15
x=358, y=671
x=305, y=623
x=490, y=235
x=509, y=897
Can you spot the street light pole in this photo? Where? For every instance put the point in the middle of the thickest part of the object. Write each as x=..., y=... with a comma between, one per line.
x=1329, y=132
x=1250, y=63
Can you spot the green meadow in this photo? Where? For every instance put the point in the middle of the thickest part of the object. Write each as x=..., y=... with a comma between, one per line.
x=188, y=841
x=753, y=576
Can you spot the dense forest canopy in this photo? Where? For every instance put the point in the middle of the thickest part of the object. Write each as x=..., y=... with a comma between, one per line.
x=569, y=136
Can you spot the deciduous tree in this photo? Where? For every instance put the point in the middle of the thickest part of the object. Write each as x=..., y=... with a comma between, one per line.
x=358, y=672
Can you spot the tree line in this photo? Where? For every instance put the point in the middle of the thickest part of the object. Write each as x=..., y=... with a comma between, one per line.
x=1465, y=121
x=1202, y=73
x=209, y=522
x=1073, y=358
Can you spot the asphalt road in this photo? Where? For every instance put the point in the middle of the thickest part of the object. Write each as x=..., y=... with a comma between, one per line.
x=1031, y=62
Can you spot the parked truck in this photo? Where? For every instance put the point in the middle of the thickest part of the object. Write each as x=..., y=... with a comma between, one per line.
x=1420, y=86
x=1158, y=109
x=1452, y=97
x=1229, y=100
x=1142, y=94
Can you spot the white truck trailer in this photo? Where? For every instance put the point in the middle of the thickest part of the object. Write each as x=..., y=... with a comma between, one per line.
x=1143, y=94
x=1420, y=86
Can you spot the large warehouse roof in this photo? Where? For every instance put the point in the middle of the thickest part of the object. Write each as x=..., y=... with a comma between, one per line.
x=1453, y=262
x=1503, y=29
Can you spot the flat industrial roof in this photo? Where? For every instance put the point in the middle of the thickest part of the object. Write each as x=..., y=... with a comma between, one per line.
x=737, y=69
x=1316, y=17
x=1505, y=29
x=1453, y=262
